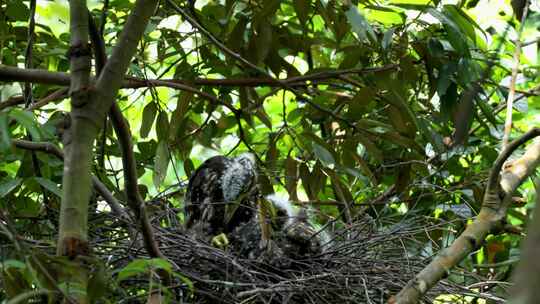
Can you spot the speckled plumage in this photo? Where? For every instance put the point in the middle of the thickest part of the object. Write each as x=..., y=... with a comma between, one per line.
x=216, y=185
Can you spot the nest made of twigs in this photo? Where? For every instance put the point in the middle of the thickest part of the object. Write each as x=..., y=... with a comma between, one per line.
x=362, y=265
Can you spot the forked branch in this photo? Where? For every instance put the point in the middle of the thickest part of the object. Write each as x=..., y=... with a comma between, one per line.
x=498, y=197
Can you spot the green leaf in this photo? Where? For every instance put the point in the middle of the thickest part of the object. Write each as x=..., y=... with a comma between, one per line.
x=148, y=116
x=360, y=25
x=8, y=186
x=14, y=280
x=385, y=15
x=162, y=126
x=465, y=23
x=26, y=119
x=134, y=268
x=161, y=163
x=97, y=282
x=445, y=78
x=449, y=100
x=263, y=40
x=294, y=116
x=419, y=4
x=291, y=177
x=179, y=113
x=457, y=41
x=236, y=37
x=143, y=266
x=5, y=139
x=13, y=264
x=387, y=39
x=324, y=155
x=49, y=185
x=443, y=18
x=188, y=167
x=17, y=11
x=435, y=48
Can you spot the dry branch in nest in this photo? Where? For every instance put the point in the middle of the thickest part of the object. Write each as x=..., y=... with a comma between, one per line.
x=361, y=265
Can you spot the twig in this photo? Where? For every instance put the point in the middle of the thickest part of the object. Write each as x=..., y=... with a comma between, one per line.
x=515, y=69
x=28, y=55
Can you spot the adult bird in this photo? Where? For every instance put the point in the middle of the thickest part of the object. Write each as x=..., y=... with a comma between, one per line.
x=221, y=194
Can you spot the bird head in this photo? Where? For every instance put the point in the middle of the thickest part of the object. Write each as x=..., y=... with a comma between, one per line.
x=285, y=212
x=247, y=160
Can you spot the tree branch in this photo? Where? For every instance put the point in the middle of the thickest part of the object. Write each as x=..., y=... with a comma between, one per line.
x=100, y=188
x=123, y=133
x=12, y=74
x=491, y=215
x=527, y=274
x=110, y=79
x=513, y=78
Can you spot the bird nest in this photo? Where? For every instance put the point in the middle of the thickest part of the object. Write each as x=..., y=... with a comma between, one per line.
x=362, y=264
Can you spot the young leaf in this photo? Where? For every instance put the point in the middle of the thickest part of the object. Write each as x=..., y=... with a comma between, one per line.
x=161, y=163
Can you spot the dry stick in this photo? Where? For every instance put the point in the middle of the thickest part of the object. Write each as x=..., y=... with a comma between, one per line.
x=498, y=197
x=512, y=92
x=52, y=149
x=28, y=56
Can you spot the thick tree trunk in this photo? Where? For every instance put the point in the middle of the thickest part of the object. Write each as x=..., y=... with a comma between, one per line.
x=78, y=141
x=89, y=106
x=527, y=274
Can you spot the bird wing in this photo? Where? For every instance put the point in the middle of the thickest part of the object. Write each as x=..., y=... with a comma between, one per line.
x=204, y=194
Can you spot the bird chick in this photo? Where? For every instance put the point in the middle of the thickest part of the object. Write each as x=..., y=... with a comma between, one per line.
x=301, y=234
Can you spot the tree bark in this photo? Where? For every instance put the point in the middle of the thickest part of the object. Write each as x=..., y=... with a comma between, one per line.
x=498, y=197
x=89, y=105
x=527, y=274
